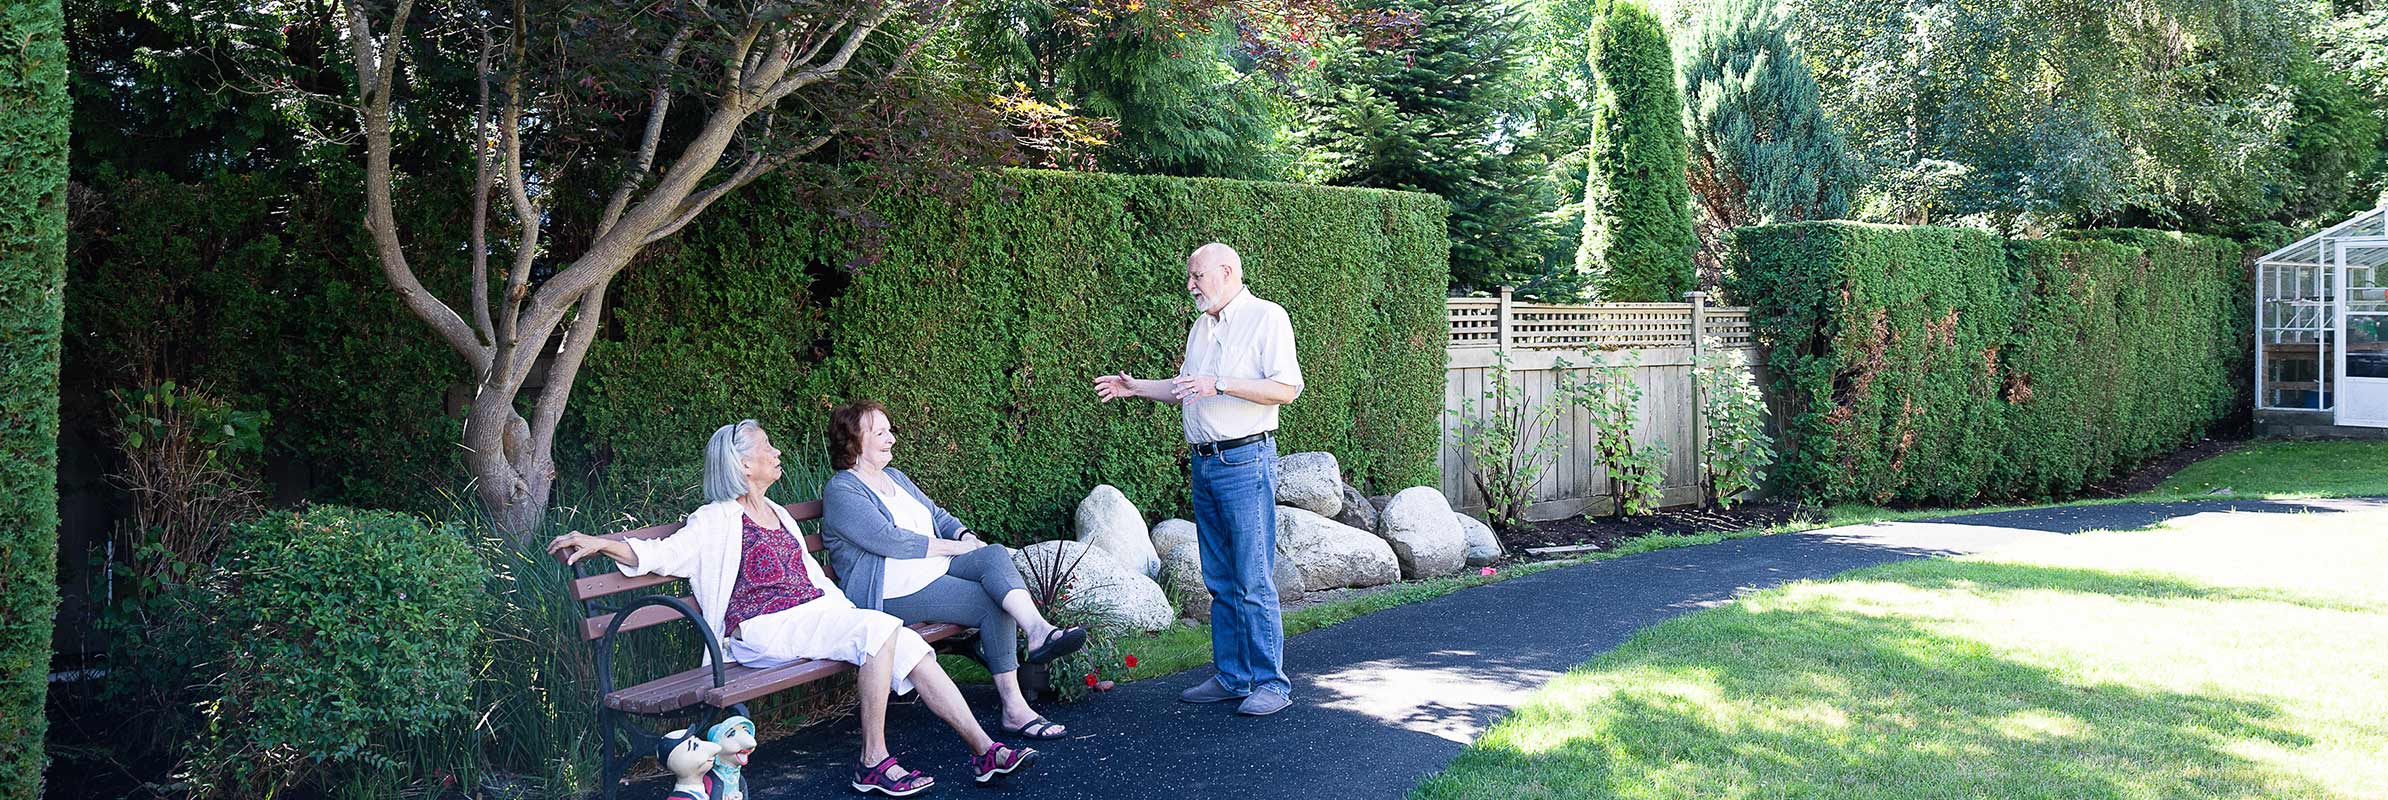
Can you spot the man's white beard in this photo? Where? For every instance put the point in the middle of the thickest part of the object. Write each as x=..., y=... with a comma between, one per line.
x=1202, y=302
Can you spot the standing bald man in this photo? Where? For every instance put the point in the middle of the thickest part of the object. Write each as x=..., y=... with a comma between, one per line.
x=1239, y=368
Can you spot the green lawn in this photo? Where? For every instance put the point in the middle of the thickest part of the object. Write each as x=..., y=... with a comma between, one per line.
x=2229, y=656
x=2289, y=469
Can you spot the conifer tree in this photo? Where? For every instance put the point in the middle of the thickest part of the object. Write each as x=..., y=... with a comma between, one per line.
x=1428, y=117
x=1638, y=238
x=1761, y=149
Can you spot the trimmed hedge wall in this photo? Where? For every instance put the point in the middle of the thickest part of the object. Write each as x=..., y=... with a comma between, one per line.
x=33, y=125
x=1937, y=365
x=983, y=324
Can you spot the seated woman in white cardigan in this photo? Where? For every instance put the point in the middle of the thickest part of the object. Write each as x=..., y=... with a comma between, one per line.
x=752, y=579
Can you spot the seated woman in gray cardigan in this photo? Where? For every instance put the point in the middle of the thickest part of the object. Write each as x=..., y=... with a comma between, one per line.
x=900, y=553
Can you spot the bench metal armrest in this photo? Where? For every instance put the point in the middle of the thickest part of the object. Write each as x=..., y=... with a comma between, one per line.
x=605, y=644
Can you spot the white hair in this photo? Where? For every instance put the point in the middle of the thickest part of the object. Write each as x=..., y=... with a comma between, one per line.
x=725, y=474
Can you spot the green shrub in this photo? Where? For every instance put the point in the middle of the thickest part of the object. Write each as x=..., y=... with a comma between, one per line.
x=1638, y=238
x=33, y=126
x=348, y=637
x=1612, y=400
x=1935, y=365
x=1734, y=447
x=982, y=325
x=1510, y=442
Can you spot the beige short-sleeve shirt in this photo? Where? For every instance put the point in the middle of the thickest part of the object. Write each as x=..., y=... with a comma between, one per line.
x=1251, y=338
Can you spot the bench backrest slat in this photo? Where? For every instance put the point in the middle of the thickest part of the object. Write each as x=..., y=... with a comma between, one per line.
x=644, y=617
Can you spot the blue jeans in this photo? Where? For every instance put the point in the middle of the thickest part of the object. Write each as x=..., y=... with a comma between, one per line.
x=1235, y=515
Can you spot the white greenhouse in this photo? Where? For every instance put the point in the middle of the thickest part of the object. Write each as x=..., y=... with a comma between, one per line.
x=2321, y=330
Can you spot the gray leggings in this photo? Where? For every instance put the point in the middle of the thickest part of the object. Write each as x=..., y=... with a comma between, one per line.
x=971, y=593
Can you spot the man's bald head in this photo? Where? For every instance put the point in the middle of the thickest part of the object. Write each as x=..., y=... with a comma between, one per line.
x=1217, y=254
x=1214, y=275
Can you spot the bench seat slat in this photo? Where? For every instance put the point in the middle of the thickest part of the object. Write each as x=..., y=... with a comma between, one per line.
x=683, y=689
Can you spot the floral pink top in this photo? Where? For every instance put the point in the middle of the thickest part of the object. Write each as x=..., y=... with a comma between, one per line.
x=771, y=574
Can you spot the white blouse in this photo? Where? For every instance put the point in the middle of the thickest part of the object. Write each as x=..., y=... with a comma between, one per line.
x=907, y=575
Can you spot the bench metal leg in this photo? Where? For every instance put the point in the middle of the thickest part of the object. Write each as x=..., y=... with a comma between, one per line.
x=610, y=726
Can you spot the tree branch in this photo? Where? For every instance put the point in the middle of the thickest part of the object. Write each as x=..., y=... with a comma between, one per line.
x=481, y=187
x=526, y=213
x=375, y=67
x=755, y=167
x=659, y=103
x=561, y=372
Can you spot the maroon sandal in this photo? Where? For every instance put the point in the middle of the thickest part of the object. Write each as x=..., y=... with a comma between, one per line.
x=876, y=779
x=1000, y=761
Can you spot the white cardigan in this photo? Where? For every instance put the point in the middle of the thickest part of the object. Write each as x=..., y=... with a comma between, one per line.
x=707, y=551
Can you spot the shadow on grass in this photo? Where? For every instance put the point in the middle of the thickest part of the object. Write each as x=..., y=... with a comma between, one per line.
x=2127, y=516
x=1815, y=700
x=1989, y=578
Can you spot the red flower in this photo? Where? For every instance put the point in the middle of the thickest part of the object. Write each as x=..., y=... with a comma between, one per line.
x=1090, y=679
x=1131, y=660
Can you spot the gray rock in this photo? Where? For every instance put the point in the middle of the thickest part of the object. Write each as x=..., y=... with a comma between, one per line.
x=1181, y=576
x=1128, y=598
x=1168, y=533
x=1378, y=501
x=1483, y=547
x=1331, y=555
x=1111, y=524
x=1312, y=482
x=1356, y=510
x=1424, y=533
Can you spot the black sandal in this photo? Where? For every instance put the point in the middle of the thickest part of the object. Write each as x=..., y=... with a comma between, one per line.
x=1040, y=729
x=1062, y=642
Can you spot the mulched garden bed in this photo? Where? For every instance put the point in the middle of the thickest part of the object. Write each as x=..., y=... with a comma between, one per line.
x=1608, y=531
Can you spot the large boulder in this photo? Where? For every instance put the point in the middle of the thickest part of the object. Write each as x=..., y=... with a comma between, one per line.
x=1424, y=533
x=1168, y=533
x=1098, y=582
x=1356, y=510
x=1181, y=578
x=1483, y=547
x=1331, y=555
x=1111, y=524
x=1312, y=482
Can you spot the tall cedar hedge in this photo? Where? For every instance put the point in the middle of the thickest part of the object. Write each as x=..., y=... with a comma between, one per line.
x=1936, y=365
x=33, y=124
x=1638, y=238
x=982, y=325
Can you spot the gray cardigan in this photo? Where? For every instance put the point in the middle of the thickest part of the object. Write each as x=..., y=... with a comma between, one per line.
x=861, y=535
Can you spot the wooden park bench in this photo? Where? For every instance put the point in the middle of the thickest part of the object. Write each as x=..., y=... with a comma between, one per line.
x=614, y=604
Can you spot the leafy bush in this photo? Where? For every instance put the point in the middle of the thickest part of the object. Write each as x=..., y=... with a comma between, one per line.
x=1613, y=400
x=1940, y=365
x=33, y=157
x=1734, y=447
x=190, y=467
x=1510, y=444
x=349, y=635
x=1638, y=237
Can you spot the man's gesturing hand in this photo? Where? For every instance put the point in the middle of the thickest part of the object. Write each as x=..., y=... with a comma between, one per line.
x=1114, y=387
x=1189, y=387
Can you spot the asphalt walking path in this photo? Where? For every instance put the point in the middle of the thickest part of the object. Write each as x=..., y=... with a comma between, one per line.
x=1385, y=700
